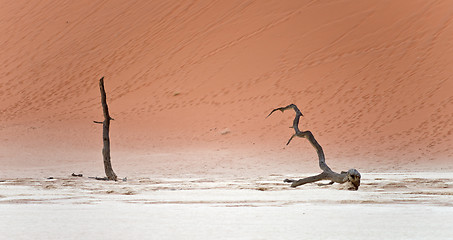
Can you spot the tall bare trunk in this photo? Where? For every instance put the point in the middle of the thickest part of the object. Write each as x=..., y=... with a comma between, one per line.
x=105, y=134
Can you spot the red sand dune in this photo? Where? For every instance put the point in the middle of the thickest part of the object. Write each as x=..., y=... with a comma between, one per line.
x=373, y=79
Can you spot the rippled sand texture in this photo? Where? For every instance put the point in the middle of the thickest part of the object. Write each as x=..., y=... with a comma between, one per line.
x=373, y=79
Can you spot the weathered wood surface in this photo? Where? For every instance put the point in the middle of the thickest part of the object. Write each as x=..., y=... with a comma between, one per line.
x=351, y=176
x=105, y=134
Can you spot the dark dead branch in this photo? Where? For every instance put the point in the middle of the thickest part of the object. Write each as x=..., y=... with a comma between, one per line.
x=100, y=178
x=352, y=176
x=105, y=134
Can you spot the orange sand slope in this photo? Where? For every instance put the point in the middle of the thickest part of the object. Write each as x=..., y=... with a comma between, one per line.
x=373, y=78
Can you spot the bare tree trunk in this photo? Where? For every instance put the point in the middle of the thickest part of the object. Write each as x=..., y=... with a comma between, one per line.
x=105, y=134
x=352, y=176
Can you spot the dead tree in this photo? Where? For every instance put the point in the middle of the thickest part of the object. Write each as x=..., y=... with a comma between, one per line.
x=105, y=134
x=352, y=176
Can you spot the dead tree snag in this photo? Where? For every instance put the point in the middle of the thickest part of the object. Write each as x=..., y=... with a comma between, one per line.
x=352, y=176
x=105, y=134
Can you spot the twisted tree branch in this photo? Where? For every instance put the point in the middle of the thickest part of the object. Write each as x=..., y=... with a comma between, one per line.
x=352, y=175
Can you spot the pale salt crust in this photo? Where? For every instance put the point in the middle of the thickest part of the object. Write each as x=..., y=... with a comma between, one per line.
x=387, y=206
